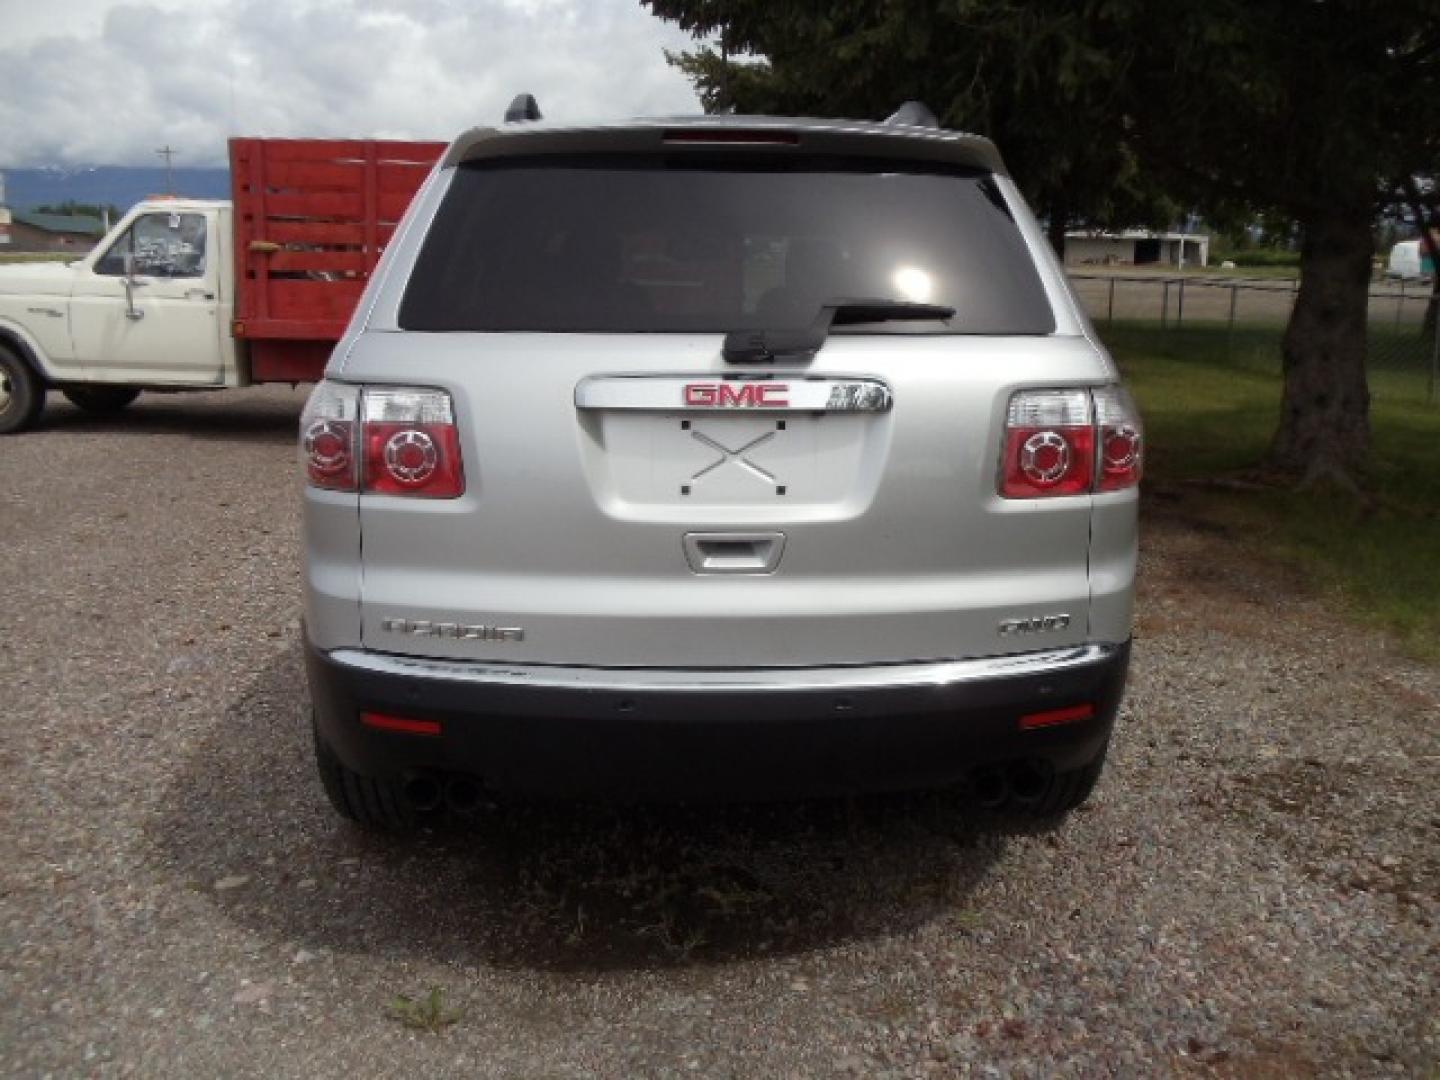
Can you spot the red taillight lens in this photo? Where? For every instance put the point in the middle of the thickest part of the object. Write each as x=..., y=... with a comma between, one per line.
x=1070, y=442
x=1122, y=440
x=328, y=436
x=411, y=443
x=1049, y=444
x=389, y=440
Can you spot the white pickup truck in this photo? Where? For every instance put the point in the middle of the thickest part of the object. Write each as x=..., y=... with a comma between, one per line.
x=149, y=307
x=190, y=294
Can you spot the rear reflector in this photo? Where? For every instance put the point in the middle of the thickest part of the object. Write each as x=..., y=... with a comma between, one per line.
x=403, y=724
x=1052, y=717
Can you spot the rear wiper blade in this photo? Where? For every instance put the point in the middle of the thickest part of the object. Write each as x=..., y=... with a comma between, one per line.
x=760, y=346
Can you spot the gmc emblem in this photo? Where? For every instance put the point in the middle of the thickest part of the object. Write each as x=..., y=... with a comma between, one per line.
x=726, y=395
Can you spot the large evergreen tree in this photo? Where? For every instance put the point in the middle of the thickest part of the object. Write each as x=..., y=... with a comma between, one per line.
x=1309, y=109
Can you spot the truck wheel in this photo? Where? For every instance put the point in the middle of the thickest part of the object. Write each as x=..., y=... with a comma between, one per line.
x=22, y=394
x=101, y=400
x=373, y=803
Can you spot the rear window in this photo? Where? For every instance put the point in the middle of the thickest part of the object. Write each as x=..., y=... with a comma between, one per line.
x=681, y=244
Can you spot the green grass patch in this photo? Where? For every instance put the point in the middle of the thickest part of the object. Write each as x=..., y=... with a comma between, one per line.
x=1211, y=406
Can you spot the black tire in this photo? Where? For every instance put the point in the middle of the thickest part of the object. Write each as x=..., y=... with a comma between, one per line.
x=22, y=393
x=101, y=400
x=1069, y=790
x=374, y=803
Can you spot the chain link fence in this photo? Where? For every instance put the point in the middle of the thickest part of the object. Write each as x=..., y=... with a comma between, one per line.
x=1243, y=319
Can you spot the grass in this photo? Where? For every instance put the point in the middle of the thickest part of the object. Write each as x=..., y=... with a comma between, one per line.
x=1210, y=412
x=427, y=1013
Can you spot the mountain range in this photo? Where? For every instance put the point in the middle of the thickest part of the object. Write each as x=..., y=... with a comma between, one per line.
x=121, y=185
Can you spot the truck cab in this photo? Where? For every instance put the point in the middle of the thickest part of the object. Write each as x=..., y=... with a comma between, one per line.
x=150, y=306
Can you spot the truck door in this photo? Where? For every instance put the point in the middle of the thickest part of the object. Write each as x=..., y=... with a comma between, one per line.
x=159, y=324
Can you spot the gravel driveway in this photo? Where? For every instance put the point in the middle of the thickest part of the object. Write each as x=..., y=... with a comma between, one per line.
x=1254, y=891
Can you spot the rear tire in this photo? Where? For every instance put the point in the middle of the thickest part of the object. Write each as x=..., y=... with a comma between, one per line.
x=1069, y=790
x=101, y=400
x=374, y=803
x=22, y=393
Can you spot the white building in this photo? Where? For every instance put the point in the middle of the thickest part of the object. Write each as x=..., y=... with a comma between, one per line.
x=1136, y=247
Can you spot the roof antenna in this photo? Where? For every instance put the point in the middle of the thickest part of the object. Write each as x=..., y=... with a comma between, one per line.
x=524, y=107
x=911, y=114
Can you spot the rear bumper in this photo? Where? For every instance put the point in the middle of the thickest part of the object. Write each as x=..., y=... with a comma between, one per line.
x=765, y=733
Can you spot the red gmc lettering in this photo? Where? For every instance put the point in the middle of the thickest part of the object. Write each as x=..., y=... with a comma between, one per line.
x=738, y=395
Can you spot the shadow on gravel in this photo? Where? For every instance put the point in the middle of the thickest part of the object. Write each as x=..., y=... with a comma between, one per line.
x=554, y=886
x=270, y=422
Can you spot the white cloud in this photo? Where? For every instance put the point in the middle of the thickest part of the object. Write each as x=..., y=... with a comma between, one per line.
x=112, y=80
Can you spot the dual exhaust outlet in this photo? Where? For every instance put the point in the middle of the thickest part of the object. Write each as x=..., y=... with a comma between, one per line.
x=426, y=792
x=1024, y=783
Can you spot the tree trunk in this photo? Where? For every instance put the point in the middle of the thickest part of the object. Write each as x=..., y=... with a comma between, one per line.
x=1324, y=431
x=1055, y=230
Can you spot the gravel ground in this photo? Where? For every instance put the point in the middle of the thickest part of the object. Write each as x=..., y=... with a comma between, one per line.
x=1254, y=890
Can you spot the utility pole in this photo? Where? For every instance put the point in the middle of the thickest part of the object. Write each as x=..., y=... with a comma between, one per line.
x=167, y=154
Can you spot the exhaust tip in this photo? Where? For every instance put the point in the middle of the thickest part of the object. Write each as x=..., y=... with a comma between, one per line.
x=1029, y=781
x=991, y=787
x=422, y=792
x=462, y=795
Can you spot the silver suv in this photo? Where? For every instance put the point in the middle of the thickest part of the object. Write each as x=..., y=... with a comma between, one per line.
x=724, y=457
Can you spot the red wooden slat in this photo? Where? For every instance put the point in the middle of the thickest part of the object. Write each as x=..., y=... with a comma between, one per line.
x=317, y=300
x=366, y=184
x=314, y=232
x=372, y=193
x=406, y=178
x=278, y=150
x=307, y=329
x=314, y=175
x=322, y=204
x=386, y=150
x=393, y=204
x=289, y=360
x=340, y=262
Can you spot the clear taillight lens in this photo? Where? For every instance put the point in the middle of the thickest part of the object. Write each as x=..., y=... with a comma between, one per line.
x=1070, y=442
x=1121, y=439
x=388, y=440
x=411, y=446
x=329, y=437
x=1049, y=444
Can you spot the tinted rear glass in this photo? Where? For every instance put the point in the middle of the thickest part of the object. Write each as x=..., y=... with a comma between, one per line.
x=676, y=244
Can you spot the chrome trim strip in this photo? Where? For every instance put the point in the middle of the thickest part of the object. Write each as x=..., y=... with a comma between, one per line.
x=718, y=392
x=676, y=680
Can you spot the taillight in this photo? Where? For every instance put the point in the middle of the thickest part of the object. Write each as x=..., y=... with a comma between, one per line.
x=1070, y=442
x=1049, y=444
x=328, y=436
x=411, y=446
x=1122, y=439
x=386, y=440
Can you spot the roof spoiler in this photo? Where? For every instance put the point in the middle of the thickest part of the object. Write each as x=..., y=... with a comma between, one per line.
x=524, y=107
x=911, y=114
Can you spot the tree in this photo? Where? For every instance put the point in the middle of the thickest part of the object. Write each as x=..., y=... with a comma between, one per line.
x=1310, y=109
x=71, y=208
x=1304, y=109
x=1029, y=72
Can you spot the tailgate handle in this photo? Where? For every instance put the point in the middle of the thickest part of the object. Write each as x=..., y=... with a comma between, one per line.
x=734, y=553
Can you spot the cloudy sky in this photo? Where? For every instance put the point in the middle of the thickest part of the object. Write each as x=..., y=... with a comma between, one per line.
x=108, y=81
